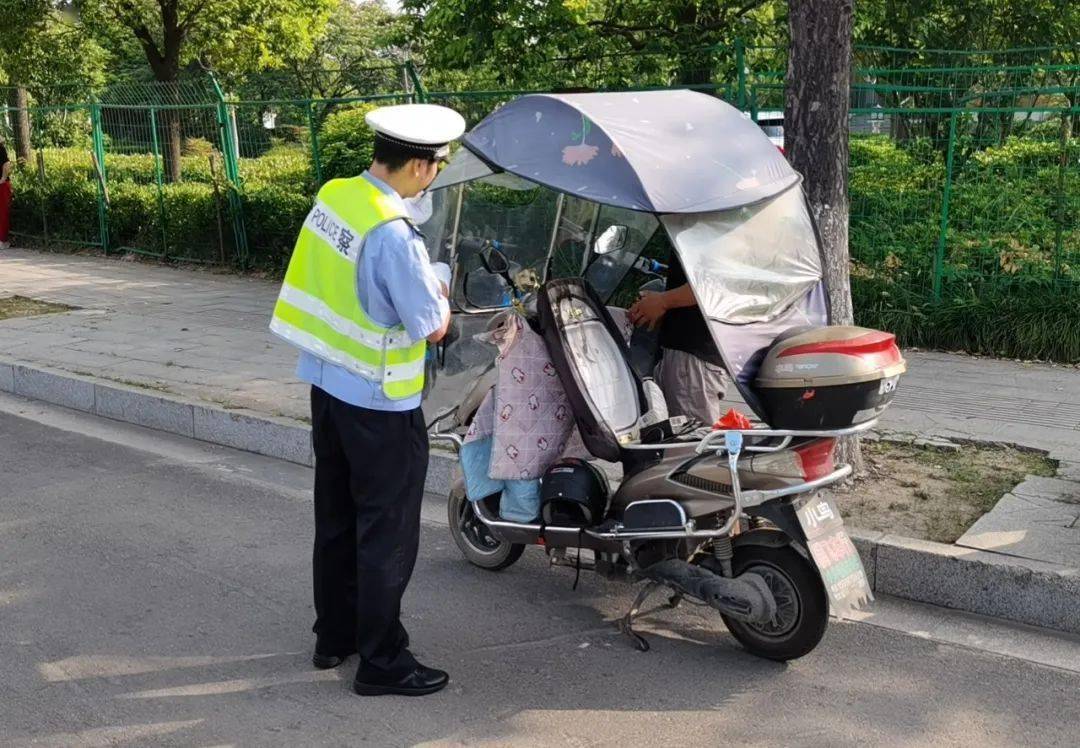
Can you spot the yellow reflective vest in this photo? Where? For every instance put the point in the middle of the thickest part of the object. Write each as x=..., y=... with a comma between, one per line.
x=318, y=309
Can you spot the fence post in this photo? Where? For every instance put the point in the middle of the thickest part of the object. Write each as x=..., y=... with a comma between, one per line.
x=939, y=256
x=232, y=172
x=410, y=70
x=99, y=155
x=1059, y=219
x=157, y=178
x=740, y=61
x=316, y=160
x=42, y=192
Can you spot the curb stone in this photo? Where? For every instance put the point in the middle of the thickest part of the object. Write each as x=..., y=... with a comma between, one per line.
x=991, y=584
x=1016, y=589
x=282, y=438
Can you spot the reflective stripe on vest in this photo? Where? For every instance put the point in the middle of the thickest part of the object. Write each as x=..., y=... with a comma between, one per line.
x=318, y=309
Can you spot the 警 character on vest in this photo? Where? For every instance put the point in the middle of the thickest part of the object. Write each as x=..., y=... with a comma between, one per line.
x=361, y=300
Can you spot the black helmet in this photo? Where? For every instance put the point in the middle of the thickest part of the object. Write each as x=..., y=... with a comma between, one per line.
x=573, y=493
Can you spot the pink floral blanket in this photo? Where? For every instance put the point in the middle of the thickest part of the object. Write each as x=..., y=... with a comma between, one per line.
x=527, y=412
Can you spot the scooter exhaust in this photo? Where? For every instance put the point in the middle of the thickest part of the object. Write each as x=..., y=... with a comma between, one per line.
x=746, y=597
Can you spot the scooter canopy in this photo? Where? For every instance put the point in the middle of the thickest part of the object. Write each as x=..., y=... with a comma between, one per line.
x=654, y=151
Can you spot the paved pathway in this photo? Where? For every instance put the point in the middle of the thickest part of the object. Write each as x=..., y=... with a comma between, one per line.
x=193, y=333
x=203, y=335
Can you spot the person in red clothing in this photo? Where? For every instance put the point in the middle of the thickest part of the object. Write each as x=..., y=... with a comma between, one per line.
x=5, y=195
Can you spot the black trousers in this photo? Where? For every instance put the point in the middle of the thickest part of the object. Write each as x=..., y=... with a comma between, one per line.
x=369, y=483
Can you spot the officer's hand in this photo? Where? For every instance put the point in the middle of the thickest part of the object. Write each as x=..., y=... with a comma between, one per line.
x=648, y=310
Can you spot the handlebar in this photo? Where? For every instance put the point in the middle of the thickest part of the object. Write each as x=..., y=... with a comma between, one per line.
x=650, y=266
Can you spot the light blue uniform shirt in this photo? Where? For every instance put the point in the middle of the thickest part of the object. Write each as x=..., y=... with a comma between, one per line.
x=395, y=285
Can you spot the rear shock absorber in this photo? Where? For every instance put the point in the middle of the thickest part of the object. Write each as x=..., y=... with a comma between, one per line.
x=723, y=552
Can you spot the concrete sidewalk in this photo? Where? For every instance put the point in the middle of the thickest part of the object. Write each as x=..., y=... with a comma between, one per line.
x=189, y=352
x=204, y=336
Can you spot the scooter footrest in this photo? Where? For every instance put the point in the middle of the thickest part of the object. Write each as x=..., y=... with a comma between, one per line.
x=654, y=514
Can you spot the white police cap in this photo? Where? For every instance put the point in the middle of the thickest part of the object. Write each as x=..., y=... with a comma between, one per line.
x=425, y=129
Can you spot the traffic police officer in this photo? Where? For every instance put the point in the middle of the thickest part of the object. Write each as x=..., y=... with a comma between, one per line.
x=361, y=301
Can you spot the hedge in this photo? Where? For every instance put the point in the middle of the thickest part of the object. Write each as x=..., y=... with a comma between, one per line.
x=1007, y=288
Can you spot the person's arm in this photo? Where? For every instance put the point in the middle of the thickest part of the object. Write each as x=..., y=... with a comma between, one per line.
x=439, y=334
x=653, y=305
x=418, y=296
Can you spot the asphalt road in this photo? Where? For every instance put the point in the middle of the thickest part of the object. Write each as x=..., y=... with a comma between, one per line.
x=155, y=591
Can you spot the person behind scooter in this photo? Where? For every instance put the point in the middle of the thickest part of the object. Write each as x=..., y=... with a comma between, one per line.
x=690, y=371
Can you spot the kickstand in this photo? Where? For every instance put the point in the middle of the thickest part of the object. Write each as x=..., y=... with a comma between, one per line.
x=626, y=623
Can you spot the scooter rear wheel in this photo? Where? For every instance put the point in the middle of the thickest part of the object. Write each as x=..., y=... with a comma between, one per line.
x=802, y=605
x=475, y=540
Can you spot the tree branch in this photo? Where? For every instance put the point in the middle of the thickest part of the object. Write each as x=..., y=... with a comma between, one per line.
x=619, y=28
x=189, y=20
x=748, y=7
x=128, y=15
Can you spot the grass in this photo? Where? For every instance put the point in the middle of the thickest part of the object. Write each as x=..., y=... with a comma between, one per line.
x=930, y=493
x=20, y=306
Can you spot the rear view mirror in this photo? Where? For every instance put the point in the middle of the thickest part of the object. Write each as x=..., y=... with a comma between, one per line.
x=486, y=290
x=611, y=240
x=494, y=261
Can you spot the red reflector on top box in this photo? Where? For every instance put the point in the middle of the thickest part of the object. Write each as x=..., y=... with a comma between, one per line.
x=879, y=345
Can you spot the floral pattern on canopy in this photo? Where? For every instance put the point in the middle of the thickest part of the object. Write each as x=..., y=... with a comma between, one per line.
x=654, y=151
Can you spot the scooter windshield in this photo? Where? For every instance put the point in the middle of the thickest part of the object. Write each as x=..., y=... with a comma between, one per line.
x=748, y=264
x=756, y=273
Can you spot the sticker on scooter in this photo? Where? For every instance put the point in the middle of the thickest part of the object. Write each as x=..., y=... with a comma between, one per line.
x=733, y=441
x=888, y=385
x=836, y=557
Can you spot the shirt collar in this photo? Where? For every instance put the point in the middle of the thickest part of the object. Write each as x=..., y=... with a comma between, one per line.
x=388, y=190
x=383, y=186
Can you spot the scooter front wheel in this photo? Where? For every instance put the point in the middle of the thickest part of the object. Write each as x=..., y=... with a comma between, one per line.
x=474, y=539
x=802, y=606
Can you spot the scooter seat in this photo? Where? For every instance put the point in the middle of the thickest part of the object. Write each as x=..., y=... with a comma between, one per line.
x=591, y=357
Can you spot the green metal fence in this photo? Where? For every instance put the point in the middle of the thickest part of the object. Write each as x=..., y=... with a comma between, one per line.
x=965, y=166
x=178, y=171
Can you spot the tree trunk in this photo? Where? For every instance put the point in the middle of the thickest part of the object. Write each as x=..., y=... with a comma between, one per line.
x=816, y=141
x=18, y=101
x=173, y=145
x=173, y=137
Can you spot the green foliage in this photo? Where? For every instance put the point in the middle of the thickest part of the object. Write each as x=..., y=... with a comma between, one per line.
x=188, y=228
x=346, y=142
x=352, y=54
x=276, y=197
x=1030, y=321
x=197, y=147
x=273, y=215
x=230, y=35
x=47, y=52
x=287, y=166
x=66, y=207
x=966, y=24
x=519, y=43
x=1011, y=280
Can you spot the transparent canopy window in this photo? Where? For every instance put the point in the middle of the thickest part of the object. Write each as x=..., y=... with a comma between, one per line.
x=749, y=264
x=600, y=242
x=604, y=378
x=517, y=214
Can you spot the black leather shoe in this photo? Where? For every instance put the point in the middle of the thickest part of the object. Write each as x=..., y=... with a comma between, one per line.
x=420, y=682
